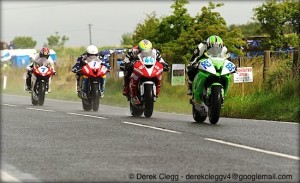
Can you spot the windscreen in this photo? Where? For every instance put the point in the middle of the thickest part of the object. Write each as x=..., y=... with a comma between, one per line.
x=42, y=62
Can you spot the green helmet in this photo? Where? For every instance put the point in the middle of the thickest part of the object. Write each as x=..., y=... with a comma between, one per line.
x=214, y=41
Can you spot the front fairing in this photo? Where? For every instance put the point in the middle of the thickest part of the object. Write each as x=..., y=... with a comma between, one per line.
x=42, y=70
x=148, y=71
x=212, y=71
x=94, y=68
x=147, y=66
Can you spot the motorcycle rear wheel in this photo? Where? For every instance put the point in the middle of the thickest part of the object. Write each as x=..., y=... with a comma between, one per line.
x=33, y=101
x=197, y=116
x=136, y=112
x=87, y=104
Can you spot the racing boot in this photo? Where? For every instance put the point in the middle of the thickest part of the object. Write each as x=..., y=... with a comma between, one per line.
x=133, y=90
x=126, y=86
x=189, y=92
x=135, y=100
x=28, y=82
x=79, y=86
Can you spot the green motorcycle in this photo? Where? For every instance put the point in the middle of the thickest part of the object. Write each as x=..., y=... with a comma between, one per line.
x=210, y=85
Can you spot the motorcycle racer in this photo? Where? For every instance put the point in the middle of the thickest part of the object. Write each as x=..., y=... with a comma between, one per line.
x=90, y=54
x=212, y=41
x=131, y=57
x=44, y=53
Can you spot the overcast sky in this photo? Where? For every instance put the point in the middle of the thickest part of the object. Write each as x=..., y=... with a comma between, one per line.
x=109, y=19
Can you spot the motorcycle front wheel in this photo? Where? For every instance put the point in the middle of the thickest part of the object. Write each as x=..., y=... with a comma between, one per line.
x=96, y=96
x=149, y=100
x=214, y=109
x=41, y=93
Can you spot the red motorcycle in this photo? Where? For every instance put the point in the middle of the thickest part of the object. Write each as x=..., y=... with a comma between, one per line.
x=145, y=83
x=94, y=73
x=42, y=72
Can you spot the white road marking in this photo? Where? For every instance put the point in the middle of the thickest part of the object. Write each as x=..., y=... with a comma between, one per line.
x=36, y=109
x=9, y=105
x=156, y=128
x=294, y=123
x=5, y=177
x=254, y=149
x=86, y=115
x=188, y=115
x=10, y=173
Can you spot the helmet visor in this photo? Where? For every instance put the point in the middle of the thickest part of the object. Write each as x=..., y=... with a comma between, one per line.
x=214, y=51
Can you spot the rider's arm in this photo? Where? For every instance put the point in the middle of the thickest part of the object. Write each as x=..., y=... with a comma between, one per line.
x=161, y=60
x=158, y=57
x=79, y=63
x=198, y=52
x=224, y=52
x=51, y=62
x=105, y=61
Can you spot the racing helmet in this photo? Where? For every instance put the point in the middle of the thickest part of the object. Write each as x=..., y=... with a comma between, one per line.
x=92, y=50
x=214, y=41
x=45, y=52
x=145, y=45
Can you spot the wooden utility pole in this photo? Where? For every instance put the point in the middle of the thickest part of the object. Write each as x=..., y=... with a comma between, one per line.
x=113, y=65
x=90, y=25
x=296, y=66
x=267, y=58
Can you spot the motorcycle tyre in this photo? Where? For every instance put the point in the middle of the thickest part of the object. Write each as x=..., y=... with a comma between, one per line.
x=214, y=109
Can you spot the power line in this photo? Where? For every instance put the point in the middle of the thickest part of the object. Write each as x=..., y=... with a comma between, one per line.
x=42, y=6
x=59, y=31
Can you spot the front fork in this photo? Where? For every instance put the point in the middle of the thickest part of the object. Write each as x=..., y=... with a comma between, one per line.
x=34, y=80
x=88, y=82
x=206, y=94
x=142, y=89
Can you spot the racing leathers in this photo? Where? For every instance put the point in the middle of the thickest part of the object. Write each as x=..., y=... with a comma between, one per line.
x=82, y=60
x=29, y=69
x=127, y=67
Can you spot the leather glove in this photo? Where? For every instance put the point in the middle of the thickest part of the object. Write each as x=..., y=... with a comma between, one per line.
x=166, y=66
x=122, y=66
x=29, y=68
x=76, y=69
x=129, y=65
x=192, y=65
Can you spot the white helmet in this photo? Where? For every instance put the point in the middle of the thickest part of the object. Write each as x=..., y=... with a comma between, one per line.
x=92, y=50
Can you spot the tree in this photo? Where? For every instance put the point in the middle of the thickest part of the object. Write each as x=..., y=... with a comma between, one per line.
x=177, y=35
x=147, y=30
x=22, y=42
x=179, y=21
x=127, y=39
x=278, y=19
x=208, y=23
x=249, y=29
x=56, y=41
